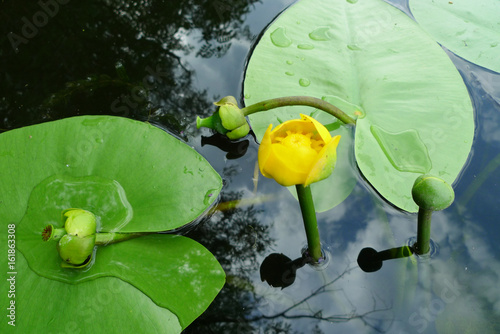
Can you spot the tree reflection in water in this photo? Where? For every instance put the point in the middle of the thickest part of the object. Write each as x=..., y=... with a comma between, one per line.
x=68, y=67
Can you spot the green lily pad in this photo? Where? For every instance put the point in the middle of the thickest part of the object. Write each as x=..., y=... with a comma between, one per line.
x=167, y=183
x=470, y=29
x=106, y=305
x=414, y=114
x=135, y=178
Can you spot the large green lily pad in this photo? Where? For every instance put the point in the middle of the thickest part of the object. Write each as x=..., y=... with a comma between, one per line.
x=369, y=58
x=470, y=29
x=135, y=178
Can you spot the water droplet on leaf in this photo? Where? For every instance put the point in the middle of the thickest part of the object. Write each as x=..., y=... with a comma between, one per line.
x=280, y=39
x=321, y=34
x=304, y=82
x=305, y=46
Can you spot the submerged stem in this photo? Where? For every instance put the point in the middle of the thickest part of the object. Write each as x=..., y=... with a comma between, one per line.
x=310, y=221
x=299, y=101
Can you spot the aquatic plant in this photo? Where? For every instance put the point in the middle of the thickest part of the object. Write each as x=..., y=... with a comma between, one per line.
x=127, y=180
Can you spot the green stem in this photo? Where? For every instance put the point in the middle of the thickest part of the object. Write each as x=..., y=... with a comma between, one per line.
x=58, y=233
x=204, y=122
x=310, y=222
x=107, y=238
x=299, y=101
x=423, y=231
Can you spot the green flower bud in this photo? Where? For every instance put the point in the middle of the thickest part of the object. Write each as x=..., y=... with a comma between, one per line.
x=229, y=120
x=76, y=240
x=79, y=222
x=238, y=133
x=432, y=193
x=76, y=250
x=226, y=100
x=73, y=266
x=231, y=116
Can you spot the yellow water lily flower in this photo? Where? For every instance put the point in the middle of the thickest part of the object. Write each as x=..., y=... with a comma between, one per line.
x=299, y=151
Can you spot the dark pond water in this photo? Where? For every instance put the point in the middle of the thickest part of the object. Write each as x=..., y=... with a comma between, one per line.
x=194, y=52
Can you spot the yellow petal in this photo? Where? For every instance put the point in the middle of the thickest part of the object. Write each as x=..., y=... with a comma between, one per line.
x=299, y=160
x=265, y=150
x=323, y=133
x=289, y=153
x=325, y=163
x=294, y=125
x=281, y=170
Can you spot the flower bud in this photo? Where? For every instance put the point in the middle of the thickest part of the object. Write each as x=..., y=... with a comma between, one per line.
x=432, y=193
x=231, y=116
x=76, y=250
x=76, y=240
x=239, y=132
x=79, y=222
x=229, y=120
